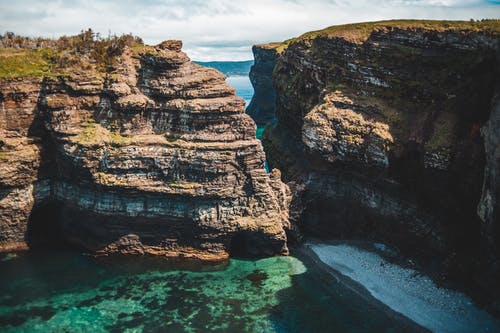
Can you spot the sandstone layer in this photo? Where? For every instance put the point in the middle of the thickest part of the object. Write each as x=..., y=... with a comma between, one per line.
x=149, y=154
x=388, y=131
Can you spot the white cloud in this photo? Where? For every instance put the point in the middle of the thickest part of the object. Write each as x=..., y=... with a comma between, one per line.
x=221, y=29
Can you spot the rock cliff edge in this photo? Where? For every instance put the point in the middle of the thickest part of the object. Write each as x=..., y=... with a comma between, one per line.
x=388, y=131
x=144, y=152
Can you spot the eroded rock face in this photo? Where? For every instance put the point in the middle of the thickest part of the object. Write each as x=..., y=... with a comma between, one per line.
x=380, y=135
x=262, y=106
x=337, y=131
x=20, y=158
x=489, y=205
x=154, y=157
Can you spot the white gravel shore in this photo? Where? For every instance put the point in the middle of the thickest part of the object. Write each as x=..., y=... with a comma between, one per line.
x=406, y=291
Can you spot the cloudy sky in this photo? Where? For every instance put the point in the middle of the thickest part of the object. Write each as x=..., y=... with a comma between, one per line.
x=220, y=29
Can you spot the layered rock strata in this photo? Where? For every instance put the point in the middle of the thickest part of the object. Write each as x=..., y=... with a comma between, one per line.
x=153, y=156
x=388, y=131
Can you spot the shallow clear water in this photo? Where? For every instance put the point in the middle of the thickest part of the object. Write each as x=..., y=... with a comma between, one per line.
x=69, y=292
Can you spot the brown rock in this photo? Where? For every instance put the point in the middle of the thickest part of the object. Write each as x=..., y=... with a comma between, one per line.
x=155, y=157
x=388, y=131
x=173, y=45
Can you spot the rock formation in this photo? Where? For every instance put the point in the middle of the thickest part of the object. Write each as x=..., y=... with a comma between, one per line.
x=148, y=153
x=261, y=108
x=388, y=131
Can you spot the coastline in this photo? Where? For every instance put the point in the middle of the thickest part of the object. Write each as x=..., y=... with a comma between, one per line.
x=304, y=252
x=404, y=291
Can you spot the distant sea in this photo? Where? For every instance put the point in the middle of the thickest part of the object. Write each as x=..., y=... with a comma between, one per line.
x=243, y=87
x=237, y=75
x=229, y=68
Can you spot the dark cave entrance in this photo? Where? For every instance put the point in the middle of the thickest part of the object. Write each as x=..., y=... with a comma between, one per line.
x=44, y=226
x=238, y=247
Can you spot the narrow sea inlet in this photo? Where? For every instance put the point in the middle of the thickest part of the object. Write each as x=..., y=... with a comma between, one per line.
x=68, y=292
x=244, y=89
x=243, y=86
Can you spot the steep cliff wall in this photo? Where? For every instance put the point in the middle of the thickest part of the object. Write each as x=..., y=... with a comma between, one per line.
x=386, y=131
x=150, y=154
x=262, y=106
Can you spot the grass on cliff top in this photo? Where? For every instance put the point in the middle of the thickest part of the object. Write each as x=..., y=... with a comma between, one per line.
x=360, y=32
x=278, y=46
x=25, y=56
x=22, y=63
x=141, y=49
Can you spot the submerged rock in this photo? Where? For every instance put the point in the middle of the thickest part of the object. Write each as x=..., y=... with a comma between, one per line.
x=151, y=155
x=257, y=277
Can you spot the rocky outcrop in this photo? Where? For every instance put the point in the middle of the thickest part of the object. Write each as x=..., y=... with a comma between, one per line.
x=262, y=106
x=489, y=204
x=386, y=131
x=154, y=155
x=21, y=158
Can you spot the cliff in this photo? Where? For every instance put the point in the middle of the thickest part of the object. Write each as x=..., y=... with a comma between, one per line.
x=117, y=147
x=262, y=106
x=388, y=131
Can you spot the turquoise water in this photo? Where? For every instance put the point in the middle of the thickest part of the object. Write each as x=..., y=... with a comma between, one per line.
x=260, y=131
x=243, y=87
x=69, y=292
x=57, y=291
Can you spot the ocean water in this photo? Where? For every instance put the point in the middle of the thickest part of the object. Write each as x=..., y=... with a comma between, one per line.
x=243, y=86
x=244, y=89
x=58, y=291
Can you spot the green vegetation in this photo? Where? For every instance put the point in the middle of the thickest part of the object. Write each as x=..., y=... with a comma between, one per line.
x=359, y=32
x=109, y=179
x=88, y=135
x=280, y=47
x=94, y=134
x=117, y=140
x=144, y=49
x=444, y=132
x=23, y=56
x=22, y=63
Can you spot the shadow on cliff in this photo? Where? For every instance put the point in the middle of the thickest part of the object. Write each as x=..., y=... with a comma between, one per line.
x=45, y=227
x=425, y=207
x=44, y=222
